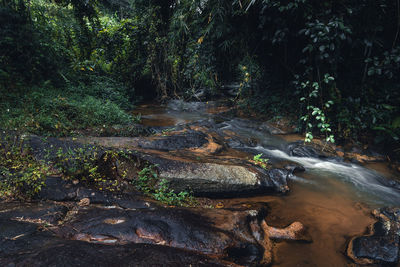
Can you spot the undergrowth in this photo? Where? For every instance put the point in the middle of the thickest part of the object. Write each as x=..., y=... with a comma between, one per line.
x=21, y=175
x=86, y=165
x=58, y=112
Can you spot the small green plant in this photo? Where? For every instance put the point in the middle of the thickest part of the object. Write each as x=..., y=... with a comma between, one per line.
x=260, y=161
x=316, y=114
x=21, y=175
x=166, y=195
x=150, y=183
x=166, y=131
x=147, y=179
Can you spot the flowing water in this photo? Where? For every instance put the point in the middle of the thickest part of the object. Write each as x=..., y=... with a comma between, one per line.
x=331, y=198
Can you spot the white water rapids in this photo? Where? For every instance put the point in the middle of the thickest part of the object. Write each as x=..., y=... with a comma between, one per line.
x=367, y=185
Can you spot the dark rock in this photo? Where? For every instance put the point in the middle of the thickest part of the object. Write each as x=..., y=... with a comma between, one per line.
x=294, y=168
x=220, y=179
x=279, y=179
x=126, y=237
x=58, y=190
x=33, y=212
x=377, y=248
x=95, y=196
x=13, y=229
x=19, y=220
x=208, y=231
x=48, y=148
x=267, y=127
x=43, y=249
x=381, y=246
x=298, y=149
x=191, y=139
x=180, y=105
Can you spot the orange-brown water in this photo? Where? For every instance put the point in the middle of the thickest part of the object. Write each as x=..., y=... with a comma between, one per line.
x=154, y=115
x=329, y=217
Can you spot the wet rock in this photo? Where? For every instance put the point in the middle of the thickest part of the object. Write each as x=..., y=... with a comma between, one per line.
x=58, y=190
x=362, y=158
x=49, y=148
x=208, y=231
x=381, y=246
x=93, y=196
x=182, y=169
x=219, y=179
x=267, y=127
x=377, y=248
x=180, y=105
x=168, y=142
x=43, y=249
x=18, y=220
x=191, y=139
x=299, y=149
x=294, y=168
x=295, y=231
x=39, y=213
x=113, y=235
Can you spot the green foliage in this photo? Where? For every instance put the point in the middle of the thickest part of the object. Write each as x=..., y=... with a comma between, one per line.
x=258, y=160
x=21, y=175
x=147, y=179
x=55, y=112
x=150, y=183
x=315, y=117
x=86, y=165
x=179, y=48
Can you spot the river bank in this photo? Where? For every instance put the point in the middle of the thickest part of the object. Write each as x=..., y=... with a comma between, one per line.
x=202, y=148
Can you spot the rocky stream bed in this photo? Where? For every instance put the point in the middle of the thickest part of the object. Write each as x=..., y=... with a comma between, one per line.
x=309, y=206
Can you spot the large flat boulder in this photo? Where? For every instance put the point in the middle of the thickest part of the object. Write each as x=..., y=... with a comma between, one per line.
x=220, y=179
x=192, y=165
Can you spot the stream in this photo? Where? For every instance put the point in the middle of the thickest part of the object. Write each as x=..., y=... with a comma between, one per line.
x=114, y=199
x=332, y=198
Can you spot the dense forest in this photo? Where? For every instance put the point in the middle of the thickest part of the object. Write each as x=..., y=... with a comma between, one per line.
x=199, y=132
x=70, y=64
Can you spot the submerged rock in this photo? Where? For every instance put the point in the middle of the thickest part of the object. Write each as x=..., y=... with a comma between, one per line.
x=381, y=246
